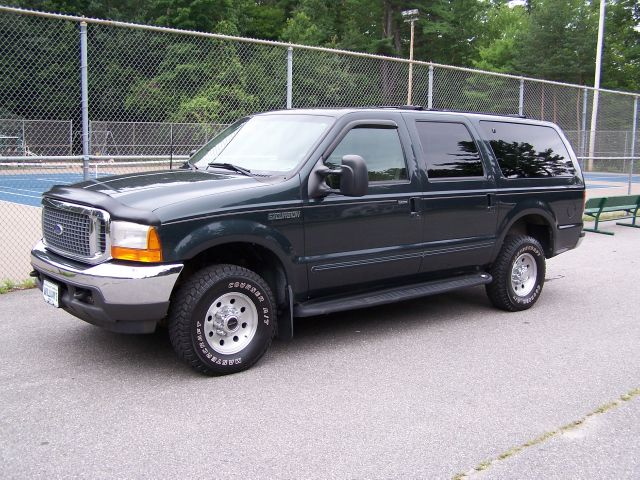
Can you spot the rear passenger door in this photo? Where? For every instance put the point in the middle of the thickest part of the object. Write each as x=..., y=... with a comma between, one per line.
x=353, y=241
x=458, y=204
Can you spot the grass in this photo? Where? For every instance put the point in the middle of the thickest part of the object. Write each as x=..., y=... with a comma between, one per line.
x=7, y=286
x=484, y=465
x=606, y=216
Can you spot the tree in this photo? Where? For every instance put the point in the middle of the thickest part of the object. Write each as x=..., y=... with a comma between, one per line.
x=449, y=30
x=497, y=46
x=621, y=55
x=558, y=41
x=194, y=82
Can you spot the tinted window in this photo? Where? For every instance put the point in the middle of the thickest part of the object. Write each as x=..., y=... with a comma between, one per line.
x=528, y=151
x=449, y=150
x=379, y=147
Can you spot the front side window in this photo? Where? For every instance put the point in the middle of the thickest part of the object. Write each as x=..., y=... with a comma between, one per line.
x=449, y=149
x=379, y=147
x=528, y=151
x=266, y=143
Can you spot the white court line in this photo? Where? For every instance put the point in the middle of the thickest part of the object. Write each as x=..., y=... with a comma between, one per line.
x=55, y=179
x=46, y=180
x=20, y=189
x=19, y=194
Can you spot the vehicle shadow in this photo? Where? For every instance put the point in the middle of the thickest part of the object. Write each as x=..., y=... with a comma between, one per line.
x=153, y=354
x=433, y=311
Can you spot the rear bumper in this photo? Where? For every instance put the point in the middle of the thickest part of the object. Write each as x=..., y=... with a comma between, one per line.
x=568, y=237
x=120, y=297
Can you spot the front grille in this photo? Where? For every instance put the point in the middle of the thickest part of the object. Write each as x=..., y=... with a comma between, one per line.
x=67, y=231
x=73, y=230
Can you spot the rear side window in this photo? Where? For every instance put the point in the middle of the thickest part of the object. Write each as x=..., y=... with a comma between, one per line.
x=528, y=151
x=449, y=150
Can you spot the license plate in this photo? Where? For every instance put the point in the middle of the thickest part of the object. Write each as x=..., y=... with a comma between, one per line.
x=50, y=293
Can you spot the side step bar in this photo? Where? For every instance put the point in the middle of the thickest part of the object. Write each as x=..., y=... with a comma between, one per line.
x=389, y=295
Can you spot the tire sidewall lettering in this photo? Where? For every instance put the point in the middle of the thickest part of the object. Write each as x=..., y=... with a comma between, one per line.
x=532, y=297
x=263, y=310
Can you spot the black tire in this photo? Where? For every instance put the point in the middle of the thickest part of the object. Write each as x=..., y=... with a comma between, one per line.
x=517, y=295
x=220, y=309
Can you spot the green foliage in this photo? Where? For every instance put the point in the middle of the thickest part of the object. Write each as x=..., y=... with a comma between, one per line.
x=7, y=286
x=194, y=82
x=497, y=47
x=450, y=30
x=559, y=42
x=201, y=15
x=301, y=29
x=140, y=76
x=621, y=64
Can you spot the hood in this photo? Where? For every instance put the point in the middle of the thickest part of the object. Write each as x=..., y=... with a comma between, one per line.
x=153, y=190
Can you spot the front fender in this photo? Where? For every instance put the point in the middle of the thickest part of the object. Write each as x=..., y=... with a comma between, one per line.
x=188, y=239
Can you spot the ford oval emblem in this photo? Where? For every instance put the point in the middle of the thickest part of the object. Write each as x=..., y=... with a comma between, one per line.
x=58, y=229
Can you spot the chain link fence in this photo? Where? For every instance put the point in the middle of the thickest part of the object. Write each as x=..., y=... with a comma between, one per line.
x=155, y=94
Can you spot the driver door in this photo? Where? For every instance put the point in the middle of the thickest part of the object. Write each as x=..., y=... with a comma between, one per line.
x=354, y=241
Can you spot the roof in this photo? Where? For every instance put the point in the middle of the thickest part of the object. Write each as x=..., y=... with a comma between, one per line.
x=338, y=112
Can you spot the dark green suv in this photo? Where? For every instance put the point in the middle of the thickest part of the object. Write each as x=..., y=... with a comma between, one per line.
x=306, y=212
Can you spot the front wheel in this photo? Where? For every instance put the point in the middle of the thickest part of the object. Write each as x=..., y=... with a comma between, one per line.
x=222, y=320
x=518, y=274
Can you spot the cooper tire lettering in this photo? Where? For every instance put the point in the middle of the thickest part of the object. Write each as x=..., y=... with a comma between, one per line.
x=501, y=291
x=200, y=338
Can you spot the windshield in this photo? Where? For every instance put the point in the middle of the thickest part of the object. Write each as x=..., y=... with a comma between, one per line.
x=267, y=143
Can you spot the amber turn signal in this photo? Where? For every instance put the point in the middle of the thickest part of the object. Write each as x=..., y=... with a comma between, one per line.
x=153, y=252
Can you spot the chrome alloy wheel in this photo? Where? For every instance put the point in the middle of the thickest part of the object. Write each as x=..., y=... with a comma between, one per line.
x=524, y=274
x=230, y=323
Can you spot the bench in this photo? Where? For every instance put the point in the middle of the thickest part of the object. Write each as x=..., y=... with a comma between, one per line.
x=595, y=207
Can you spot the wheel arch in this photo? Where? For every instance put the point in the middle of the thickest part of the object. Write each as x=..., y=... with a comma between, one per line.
x=254, y=256
x=537, y=223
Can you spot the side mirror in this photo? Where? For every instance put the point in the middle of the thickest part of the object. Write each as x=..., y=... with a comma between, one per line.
x=354, y=177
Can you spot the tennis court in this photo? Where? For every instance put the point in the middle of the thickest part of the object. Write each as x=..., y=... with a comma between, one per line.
x=27, y=189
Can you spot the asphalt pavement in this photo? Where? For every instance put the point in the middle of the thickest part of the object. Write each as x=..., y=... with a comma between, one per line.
x=434, y=388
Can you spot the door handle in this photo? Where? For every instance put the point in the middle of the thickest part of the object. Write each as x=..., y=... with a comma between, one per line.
x=414, y=205
x=491, y=202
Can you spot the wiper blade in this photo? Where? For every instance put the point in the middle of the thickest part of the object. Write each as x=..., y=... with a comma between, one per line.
x=231, y=166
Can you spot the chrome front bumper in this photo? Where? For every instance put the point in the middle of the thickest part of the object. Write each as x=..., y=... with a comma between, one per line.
x=118, y=296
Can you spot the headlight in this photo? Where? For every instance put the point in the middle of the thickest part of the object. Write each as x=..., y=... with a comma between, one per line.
x=132, y=241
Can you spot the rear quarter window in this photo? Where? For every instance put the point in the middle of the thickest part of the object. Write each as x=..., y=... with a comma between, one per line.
x=528, y=151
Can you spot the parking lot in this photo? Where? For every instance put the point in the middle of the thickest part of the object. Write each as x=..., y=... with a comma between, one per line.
x=431, y=388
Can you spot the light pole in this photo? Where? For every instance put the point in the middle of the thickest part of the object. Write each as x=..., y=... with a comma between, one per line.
x=410, y=16
x=596, y=86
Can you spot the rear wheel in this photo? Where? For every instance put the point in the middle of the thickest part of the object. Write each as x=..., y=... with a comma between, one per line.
x=222, y=320
x=518, y=274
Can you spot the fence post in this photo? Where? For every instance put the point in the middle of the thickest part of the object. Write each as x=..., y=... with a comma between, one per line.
x=171, y=146
x=633, y=142
x=70, y=137
x=593, y=128
x=430, y=92
x=585, y=106
x=521, y=99
x=84, y=80
x=24, y=140
x=289, y=77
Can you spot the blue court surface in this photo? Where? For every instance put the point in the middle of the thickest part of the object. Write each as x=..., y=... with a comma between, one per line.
x=27, y=189
x=593, y=180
